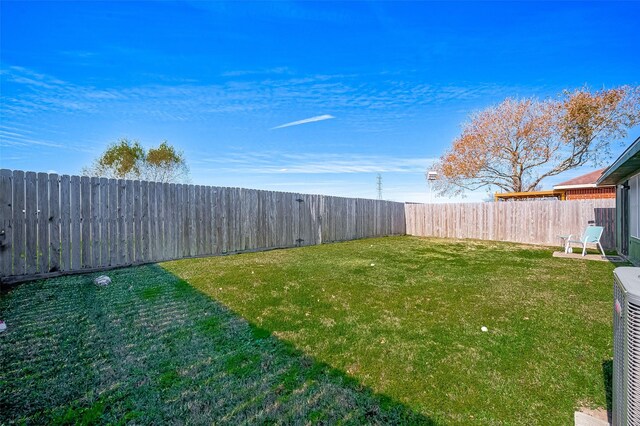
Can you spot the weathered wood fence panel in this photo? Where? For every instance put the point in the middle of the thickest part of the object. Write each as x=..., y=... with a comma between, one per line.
x=532, y=222
x=54, y=224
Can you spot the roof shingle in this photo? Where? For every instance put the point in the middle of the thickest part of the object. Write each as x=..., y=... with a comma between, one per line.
x=589, y=179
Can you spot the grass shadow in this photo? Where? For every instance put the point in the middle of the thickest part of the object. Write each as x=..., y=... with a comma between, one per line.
x=150, y=348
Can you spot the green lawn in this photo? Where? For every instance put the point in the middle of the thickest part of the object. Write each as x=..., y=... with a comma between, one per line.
x=381, y=330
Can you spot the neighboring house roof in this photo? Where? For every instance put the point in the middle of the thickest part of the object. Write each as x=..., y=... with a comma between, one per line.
x=625, y=166
x=584, y=181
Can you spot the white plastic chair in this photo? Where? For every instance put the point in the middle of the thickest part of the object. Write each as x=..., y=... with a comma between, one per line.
x=591, y=235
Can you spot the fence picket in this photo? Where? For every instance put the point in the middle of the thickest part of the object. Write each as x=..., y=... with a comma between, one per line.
x=31, y=219
x=85, y=221
x=19, y=223
x=114, y=243
x=104, y=222
x=122, y=231
x=164, y=250
x=173, y=219
x=129, y=220
x=181, y=237
x=6, y=223
x=137, y=221
x=74, y=196
x=144, y=221
x=96, y=218
x=54, y=223
x=42, y=217
x=65, y=223
x=153, y=222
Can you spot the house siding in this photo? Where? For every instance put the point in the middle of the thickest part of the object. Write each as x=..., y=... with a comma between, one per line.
x=633, y=221
x=634, y=206
x=619, y=219
x=634, y=251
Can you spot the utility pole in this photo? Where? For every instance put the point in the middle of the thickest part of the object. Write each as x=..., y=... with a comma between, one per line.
x=431, y=176
x=379, y=184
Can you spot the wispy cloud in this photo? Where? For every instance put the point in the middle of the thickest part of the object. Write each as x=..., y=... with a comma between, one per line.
x=310, y=163
x=365, y=106
x=305, y=121
x=78, y=53
x=17, y=138
x=266, y=71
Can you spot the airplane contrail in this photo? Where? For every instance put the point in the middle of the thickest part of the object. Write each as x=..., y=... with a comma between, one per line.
x=305, y=121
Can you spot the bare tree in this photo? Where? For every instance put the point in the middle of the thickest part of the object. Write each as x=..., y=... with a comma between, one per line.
x=518, y=143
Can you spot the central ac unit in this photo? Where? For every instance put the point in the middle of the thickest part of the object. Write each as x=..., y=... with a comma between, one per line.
x=626, y=346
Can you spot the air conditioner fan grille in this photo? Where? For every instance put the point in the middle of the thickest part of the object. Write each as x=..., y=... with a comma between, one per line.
x=618, y=353
x=633, y=363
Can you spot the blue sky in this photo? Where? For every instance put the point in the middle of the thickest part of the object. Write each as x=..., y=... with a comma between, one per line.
x=388, y=83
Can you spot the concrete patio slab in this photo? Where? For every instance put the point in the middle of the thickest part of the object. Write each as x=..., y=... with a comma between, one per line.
x=591, y=418
x=588, y=257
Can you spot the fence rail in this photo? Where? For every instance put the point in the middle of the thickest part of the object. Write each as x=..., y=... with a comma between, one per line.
x=53, y=224
x=532, y=222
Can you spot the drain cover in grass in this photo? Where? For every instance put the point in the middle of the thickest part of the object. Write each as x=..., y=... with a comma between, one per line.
x=102, y=280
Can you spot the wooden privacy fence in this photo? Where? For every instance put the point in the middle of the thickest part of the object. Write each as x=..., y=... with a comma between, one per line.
x=52, y=224
x=532, y=222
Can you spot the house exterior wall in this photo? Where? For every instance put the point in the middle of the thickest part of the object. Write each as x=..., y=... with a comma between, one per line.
x=619, y=219
x=634, y=219
x=634, y=206
x=634, y=251
x=591, y=193
x=633, y=222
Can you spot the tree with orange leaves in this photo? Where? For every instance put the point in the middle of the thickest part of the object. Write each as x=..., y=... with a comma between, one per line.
x=513, y=146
